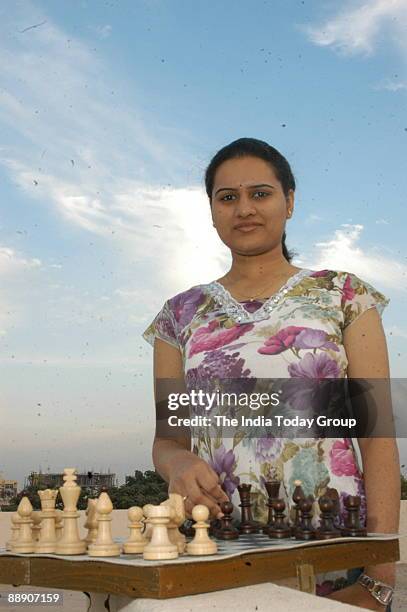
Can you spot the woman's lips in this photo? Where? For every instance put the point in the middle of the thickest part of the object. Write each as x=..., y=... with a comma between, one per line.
x=247, y=228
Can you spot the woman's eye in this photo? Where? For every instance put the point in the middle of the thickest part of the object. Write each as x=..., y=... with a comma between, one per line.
x=231, y=195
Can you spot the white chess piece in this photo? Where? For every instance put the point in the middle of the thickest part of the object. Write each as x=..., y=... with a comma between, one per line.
x=36, y=526
x=70, y=543
x=15, y=528
x=48, y=537
x=24, y=542
x=148, y=528
x=176, y=502
x=201, y=544
x=136, y=542
x=91, y=523
x=104, y=546
x=159, y=546
x=59, y=523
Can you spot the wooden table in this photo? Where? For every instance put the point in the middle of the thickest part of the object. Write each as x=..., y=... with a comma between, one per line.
x=191, y=578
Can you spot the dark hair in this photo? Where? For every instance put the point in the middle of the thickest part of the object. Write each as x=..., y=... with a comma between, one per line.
x=245, y=147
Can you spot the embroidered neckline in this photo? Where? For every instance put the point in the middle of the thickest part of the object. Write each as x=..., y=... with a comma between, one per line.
x=236, y=310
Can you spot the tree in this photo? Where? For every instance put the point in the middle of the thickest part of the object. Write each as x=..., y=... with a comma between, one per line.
x=138, y=490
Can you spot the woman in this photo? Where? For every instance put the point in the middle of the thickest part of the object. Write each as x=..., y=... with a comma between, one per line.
x=268, y=318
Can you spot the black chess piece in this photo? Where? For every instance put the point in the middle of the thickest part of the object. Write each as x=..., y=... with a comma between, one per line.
x=352, y=525
x=305, y=530
x=326, y=529
x=280, y=528
x=273, y=489
x=298, y=495
x=214, y=525
x=187, y=529
x=334, y=495
x=247, y=523
x=226, y=531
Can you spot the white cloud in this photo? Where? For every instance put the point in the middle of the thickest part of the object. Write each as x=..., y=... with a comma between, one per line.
x=103, y=31
x=12, y=262
x=358, y=26
x=343, y=252
x=313, y=217
x=13, y=265
x=88, y=150
x=382, y=222
x=392, y=85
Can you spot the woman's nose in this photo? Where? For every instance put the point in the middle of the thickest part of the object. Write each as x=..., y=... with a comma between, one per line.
x=245, y=206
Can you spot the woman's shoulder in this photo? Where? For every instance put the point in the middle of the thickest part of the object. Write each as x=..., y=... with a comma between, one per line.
x=337, y=278
x=184, y=305
x=192, y=295
x=329, y=274
x=343, y=279
x=349, y=291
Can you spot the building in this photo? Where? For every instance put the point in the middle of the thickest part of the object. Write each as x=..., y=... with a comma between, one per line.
x=93, y=481
x=8, y=490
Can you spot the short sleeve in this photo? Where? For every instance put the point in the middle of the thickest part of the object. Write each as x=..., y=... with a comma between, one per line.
x=358, y=296
x=163, y=327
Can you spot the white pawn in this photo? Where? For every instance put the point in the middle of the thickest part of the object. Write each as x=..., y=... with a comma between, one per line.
x=201, y=544
x=47, y=537
x=24, y=542
x=15, y=528
x=104, y=546
x=136, y=542
x=159, y=546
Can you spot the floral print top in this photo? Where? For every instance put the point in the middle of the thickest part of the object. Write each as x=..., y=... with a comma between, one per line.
x=297, y=332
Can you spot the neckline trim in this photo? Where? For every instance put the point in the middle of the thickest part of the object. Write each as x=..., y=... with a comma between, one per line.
x=238, y=312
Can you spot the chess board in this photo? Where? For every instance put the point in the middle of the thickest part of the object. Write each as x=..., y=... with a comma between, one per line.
x=252, y=559
x=245, y=544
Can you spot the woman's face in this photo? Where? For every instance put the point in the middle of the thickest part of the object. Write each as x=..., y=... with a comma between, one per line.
x=249, y=207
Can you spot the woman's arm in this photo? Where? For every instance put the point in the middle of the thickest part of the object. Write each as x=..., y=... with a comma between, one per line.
x=185, y=472
x=366, y=350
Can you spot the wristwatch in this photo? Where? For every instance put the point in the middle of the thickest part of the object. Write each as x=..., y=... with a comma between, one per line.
x=381, y=591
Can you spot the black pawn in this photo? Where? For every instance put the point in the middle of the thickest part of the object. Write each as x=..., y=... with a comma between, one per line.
x=226, y=530
x=298, y=495
x=305, y=530
x=326, y=529
x=352, y=526
x=334, y=495
x=214, y=525
x=247, y=524
x=280, y=528
x=273, y=489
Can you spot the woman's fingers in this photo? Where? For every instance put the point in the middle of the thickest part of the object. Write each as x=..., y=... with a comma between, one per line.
x=218, y=494
x=196, y=496
x=209, y=481
x=199, y=484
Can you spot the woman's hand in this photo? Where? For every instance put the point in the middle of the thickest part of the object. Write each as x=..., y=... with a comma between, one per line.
x=194, y=479
x=357, y=595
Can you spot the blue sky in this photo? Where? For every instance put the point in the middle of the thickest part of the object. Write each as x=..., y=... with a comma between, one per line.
x=109, y=114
